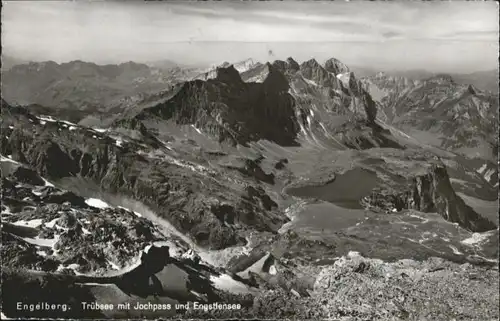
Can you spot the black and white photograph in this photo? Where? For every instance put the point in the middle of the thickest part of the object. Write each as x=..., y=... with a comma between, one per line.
x=232, y=160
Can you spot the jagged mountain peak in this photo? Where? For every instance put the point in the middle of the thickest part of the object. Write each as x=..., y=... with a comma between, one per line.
x=472, y=89
x=228, y=75
x=335, y=66
x=313, y=71
x=240, y=66
x=292, y=63
x=288, y=66
x=213, y=67
x=275, y=78
x=245, y=65
x=270, y=73
x=311, y=63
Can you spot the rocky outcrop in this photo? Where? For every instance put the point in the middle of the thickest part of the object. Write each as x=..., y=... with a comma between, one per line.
x=249, y=168
x=281, y=164
x=25, y=175
x=362, y=103
x=431, y=192
x=363, y=288
x=71, y=236
x=136, y=129
x=340, y=89
x=359, y=288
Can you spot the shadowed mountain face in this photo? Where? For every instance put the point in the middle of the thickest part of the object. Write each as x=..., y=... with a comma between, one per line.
x=232, y=110
x=244, y=179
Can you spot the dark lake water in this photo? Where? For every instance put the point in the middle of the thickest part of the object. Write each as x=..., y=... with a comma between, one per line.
x=345, y=191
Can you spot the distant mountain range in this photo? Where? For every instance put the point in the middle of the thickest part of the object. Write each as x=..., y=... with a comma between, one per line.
x=484, y=80
x=439, y=111
x=84, y=86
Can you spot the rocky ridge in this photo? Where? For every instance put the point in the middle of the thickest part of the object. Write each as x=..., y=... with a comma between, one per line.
x=431, y=192
x=128, y=166
x=230, y=109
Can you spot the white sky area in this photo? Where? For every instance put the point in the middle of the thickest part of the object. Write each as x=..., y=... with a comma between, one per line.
x=440, y=36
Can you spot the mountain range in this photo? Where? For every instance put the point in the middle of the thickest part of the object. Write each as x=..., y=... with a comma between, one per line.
x=278, y=187
x=486, y=80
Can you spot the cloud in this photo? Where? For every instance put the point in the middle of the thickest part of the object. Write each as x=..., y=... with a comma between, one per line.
x=391, y=34
x=206, y=31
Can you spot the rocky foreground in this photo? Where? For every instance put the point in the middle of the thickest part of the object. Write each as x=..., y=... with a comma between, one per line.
x=359, y=288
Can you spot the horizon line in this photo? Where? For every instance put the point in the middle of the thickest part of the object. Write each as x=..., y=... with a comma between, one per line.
x=181, y=65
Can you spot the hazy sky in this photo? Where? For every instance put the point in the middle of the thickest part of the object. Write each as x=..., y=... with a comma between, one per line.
x=442, y=36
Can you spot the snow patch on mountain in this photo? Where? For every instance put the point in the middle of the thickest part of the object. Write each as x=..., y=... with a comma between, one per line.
x=311, y=82
x=52, y=223
x=136, y=213
x=344, y=78
x=43, y=242
x=197, y=130
x=31, y=223
x=225, y=282
x=482, y=169
x=119, y=142
x=7, y=159
x=488, y=174
x=47, y=118
x=455, y=250
x=113, y=265
x=95, y=202
x=477, y=238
